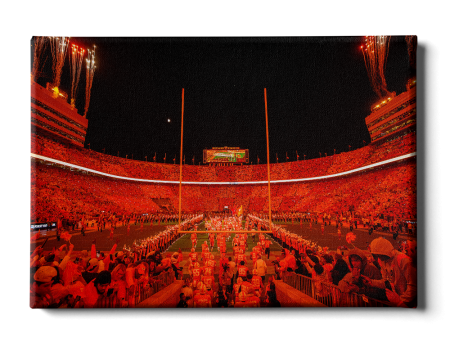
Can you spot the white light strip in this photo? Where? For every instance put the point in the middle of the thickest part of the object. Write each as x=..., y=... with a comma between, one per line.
x=399, y=158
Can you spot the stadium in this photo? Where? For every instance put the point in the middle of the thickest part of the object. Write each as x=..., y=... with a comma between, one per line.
x=224, y=232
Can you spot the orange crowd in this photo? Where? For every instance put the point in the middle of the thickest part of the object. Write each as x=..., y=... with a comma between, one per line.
x=390, y=191
x=119, y=166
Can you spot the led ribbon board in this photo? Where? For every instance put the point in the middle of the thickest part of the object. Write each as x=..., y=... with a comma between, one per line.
x=374, y=165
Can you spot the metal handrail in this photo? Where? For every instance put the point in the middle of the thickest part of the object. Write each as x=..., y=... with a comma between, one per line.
x=329, y=294
x=140, y=293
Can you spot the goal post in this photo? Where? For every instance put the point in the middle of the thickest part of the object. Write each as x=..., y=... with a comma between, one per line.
x=268, y=175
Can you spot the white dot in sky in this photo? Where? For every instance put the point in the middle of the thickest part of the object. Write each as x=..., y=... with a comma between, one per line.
x=168, y=120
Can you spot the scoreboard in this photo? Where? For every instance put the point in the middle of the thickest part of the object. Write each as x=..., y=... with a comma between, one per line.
x=232, y=155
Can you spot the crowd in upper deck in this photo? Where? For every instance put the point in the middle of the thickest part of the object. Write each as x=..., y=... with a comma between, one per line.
x=325, y=165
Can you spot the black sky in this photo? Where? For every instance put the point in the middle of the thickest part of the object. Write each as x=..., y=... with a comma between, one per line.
x=318, y=94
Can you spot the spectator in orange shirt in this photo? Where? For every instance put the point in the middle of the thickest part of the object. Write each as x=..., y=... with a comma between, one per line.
x=91, y=271
x=97, y=289
x=119, y=284
x=290, y=260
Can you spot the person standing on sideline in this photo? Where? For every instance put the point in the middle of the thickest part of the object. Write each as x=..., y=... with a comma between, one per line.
x=261, y=268
x=80, y=226
x=232, y=267
x=111, y=233
x=267, y=243
x=58, y=234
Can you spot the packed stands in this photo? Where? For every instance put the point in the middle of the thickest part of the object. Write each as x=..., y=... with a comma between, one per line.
x=289, y=170
x=60, y=191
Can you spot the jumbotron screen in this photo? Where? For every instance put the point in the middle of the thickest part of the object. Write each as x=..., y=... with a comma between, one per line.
x=225, y=155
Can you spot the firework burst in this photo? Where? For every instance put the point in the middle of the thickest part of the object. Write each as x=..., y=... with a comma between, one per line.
x=59, y=46
x=39, y=47
x=76, y=58
x=90, y=68
x=375, y=50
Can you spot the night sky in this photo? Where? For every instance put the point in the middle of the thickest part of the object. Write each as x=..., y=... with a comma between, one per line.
x=318, y=94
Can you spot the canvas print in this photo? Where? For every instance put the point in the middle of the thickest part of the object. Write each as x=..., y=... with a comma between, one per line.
x=223, y=172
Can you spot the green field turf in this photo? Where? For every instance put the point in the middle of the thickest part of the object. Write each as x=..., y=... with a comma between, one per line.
x=184, y=243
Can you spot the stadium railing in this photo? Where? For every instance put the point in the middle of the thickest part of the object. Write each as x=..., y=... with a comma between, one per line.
x=329, y=294
x=141, y=293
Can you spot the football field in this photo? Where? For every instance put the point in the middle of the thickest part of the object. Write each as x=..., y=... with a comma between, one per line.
x=185, y=244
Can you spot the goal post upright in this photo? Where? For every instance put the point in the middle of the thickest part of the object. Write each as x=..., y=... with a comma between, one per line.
x=268, y=160
x=268, y=179
x=181, y=157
